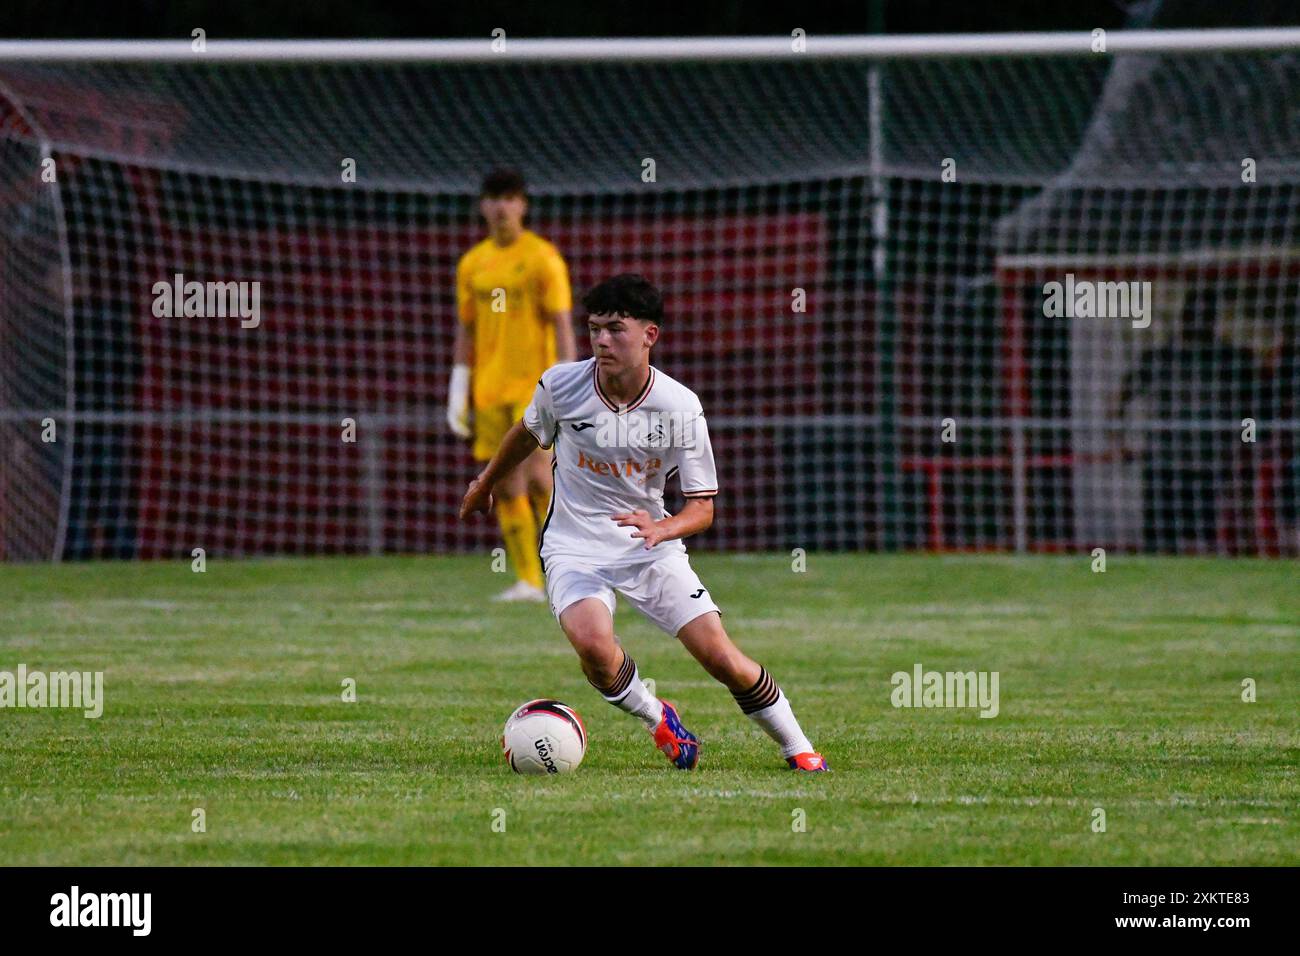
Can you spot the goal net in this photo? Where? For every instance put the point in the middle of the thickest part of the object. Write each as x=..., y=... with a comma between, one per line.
x=860, y=256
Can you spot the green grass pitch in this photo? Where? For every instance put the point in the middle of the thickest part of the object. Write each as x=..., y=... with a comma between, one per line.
x=223, y=691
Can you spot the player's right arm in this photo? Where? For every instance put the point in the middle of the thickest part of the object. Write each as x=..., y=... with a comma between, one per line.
x=535, y=430
x=462, y=355
x=518, y=444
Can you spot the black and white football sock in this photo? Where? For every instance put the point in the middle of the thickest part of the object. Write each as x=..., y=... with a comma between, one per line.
x=766, y=705
x=627, y=693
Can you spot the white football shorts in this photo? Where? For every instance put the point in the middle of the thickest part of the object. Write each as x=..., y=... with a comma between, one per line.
x=666, y=590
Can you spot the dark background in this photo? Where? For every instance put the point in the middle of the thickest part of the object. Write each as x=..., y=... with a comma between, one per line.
x=377, y=18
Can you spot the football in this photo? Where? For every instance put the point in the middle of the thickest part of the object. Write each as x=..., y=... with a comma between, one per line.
x=544, y=736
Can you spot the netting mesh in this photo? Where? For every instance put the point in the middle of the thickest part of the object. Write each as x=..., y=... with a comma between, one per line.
x=870, y=341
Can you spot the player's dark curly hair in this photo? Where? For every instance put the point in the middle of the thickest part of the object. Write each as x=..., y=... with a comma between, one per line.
x=505, y=181
x=629, y=295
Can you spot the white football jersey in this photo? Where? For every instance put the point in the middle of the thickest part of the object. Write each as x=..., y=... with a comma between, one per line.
x=610, y=460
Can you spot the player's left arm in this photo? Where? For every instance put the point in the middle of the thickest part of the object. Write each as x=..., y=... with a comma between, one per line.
x=698, y=477
x=557, y=306
x=566, y=346
x=696, y=516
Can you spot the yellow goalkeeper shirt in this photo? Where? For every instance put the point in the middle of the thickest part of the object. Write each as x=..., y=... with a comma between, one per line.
x=508, y=292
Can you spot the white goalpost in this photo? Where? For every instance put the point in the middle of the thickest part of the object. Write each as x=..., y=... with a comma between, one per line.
x=855, y=236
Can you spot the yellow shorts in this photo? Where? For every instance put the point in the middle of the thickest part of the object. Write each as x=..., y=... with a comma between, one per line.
x=491, y=425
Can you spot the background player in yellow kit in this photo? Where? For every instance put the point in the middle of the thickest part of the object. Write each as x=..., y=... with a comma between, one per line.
x=514, y=304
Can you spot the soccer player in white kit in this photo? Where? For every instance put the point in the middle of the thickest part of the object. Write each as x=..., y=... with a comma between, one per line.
x=620, y=429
